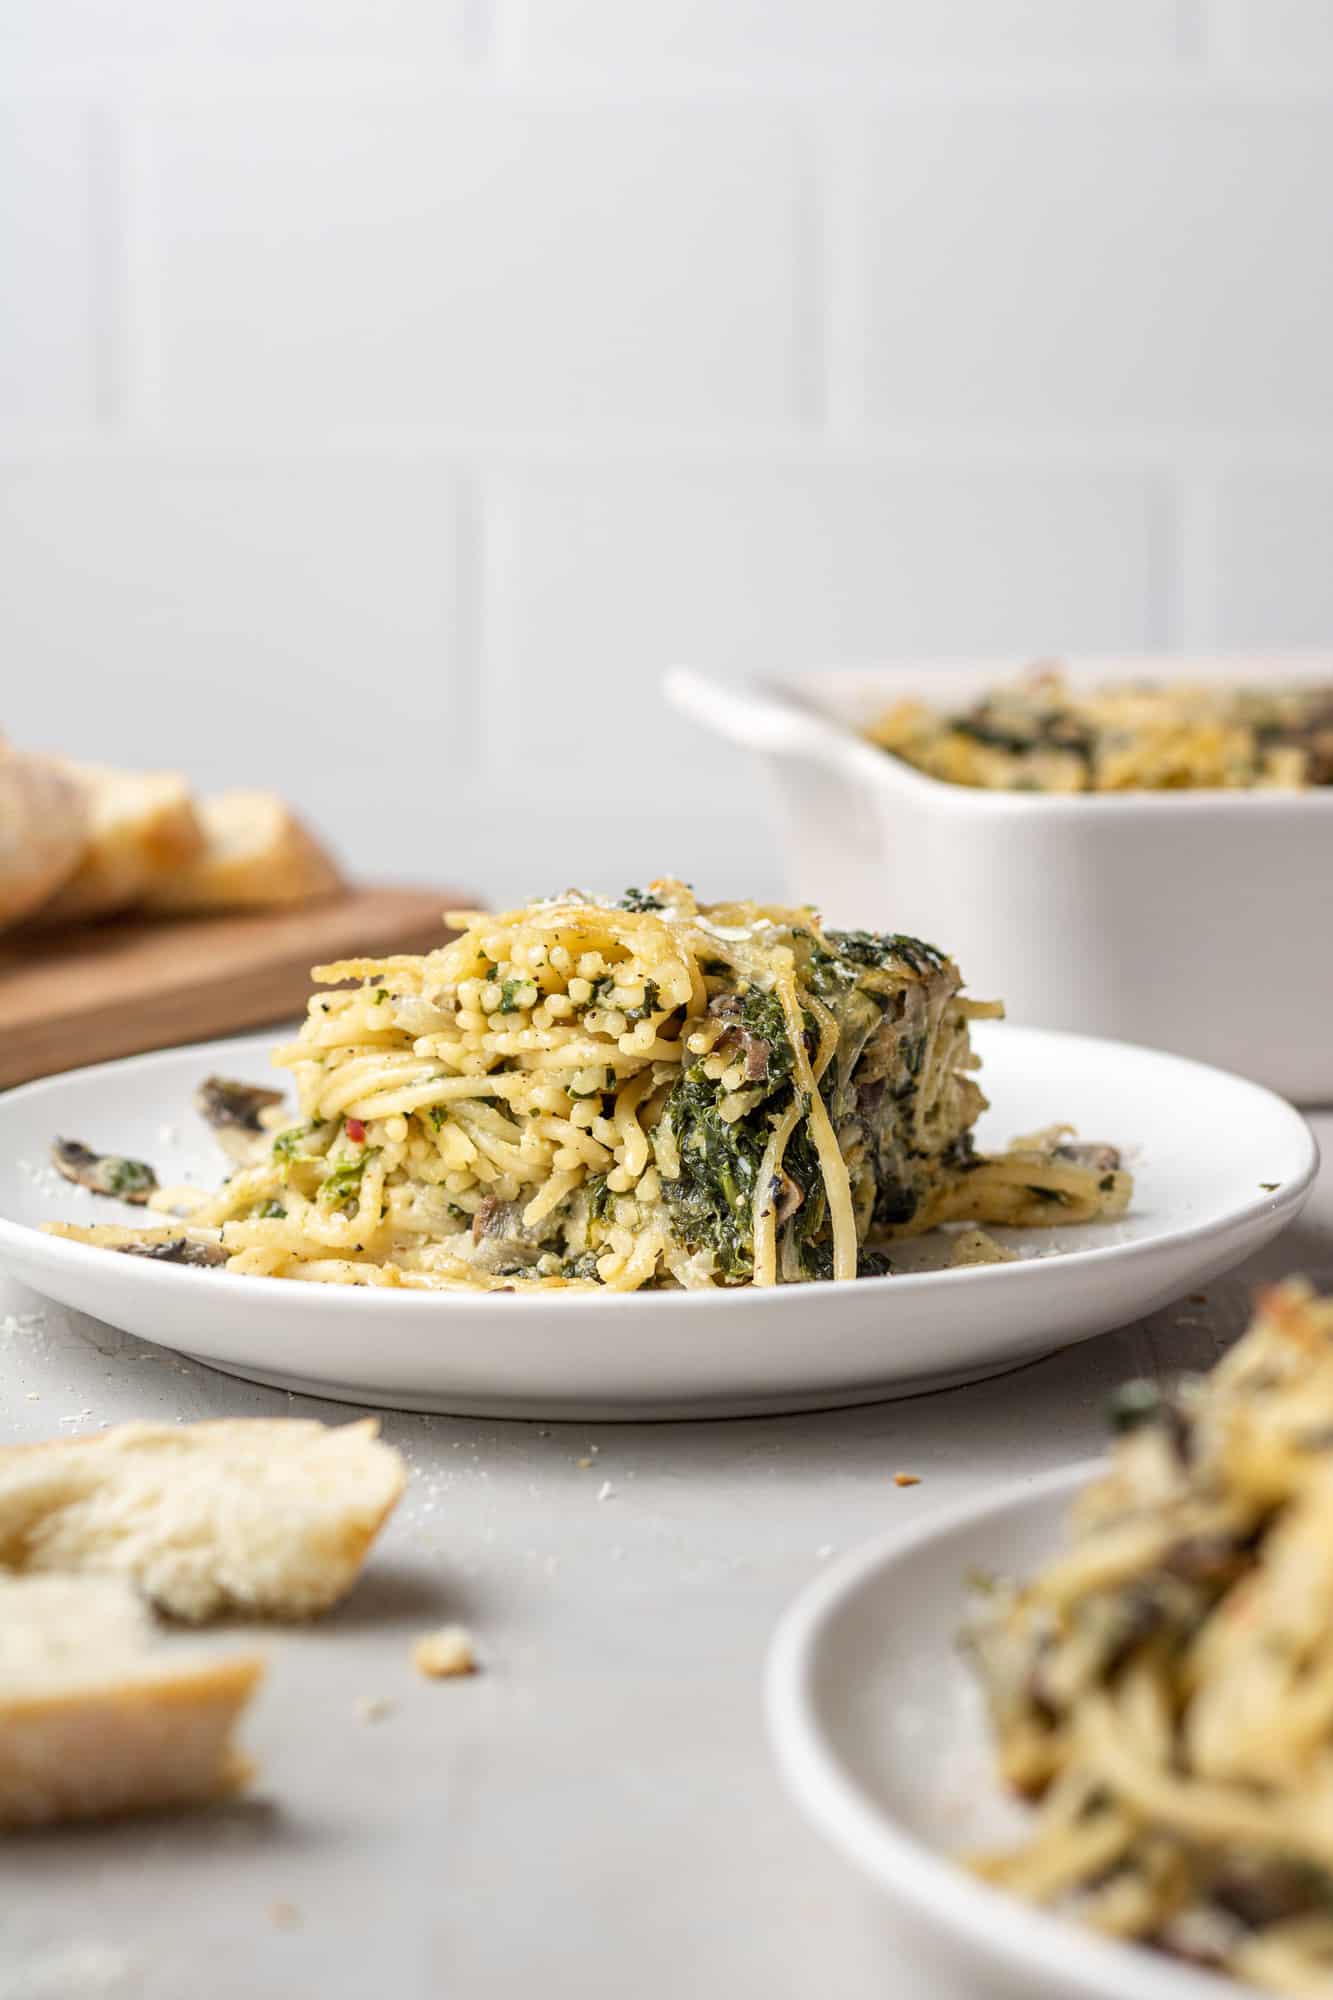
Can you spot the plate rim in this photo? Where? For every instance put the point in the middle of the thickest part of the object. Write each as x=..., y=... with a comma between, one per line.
x=902, y=1866
x=1283, y=1205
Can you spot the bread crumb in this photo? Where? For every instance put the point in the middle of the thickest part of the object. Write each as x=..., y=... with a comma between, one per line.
x=442, y=1655
x=906, y=1479
x=285, y=1915
x=374, y=1707
x=584, y=1464
x=978, y=1246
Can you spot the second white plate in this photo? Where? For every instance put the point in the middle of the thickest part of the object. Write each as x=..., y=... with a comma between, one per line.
x=1220, y=1166
x=880, y=1729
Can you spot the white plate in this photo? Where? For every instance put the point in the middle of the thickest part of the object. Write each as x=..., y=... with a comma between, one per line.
x=881, y=1734
x=1201, y=1144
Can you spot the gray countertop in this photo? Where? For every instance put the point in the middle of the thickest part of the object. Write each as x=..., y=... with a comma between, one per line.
x=596, y=1812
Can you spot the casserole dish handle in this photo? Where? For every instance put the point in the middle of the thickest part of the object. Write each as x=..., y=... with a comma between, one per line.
x=753, y=720
x=827, y=822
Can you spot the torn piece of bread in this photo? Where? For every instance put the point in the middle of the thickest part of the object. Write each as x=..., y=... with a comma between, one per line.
x=95, y=1719
x=142, y=826
x=270, y=1517
x=43, y=820
x=257, y=855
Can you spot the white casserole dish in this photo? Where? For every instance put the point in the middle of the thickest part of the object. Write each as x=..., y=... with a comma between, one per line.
x=1200, y=922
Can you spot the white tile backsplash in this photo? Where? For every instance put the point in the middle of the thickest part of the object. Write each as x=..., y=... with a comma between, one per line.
x=871, y=41
x=602, y=577
x=466, y=261
x=1287, y=38
x=388, y=393
x=252, y=45
x=50, y=328
x=1059, y=267
x=1270, y=583
x=253, y=622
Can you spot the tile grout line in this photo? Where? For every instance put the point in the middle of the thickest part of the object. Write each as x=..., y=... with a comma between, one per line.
x=105, y=167
x=811, y=227
x=470, y=612
x=490, y=663
x=842, y=279
x=1196, y=579
x=1164, y=591
x=480, y=37
x=141, y=287
x=1194, y=40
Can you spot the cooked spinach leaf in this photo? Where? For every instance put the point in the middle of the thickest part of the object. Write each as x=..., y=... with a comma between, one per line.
x=712, y=1200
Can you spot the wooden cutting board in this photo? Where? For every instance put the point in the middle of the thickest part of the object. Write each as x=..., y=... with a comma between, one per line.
x=96, y=991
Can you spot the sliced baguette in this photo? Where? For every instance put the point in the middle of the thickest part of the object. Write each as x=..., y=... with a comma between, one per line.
x=269, y=1516
x=142, y=825
x=43, y=817
x=257, y=855
x=94, y=1720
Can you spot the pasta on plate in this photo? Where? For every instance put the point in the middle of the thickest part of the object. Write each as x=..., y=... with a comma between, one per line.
x=1165, y=1684
x=648, y=1092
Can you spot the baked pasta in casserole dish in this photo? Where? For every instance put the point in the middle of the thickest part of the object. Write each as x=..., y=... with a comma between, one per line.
x=1042, y=735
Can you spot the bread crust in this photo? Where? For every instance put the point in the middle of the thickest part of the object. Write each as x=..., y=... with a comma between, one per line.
x=257, y=854
x=142, y=827
x=43, y=821
x=96, y=1718
x=140, y=1741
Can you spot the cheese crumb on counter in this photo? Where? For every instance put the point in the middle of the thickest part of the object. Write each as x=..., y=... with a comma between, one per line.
x=444, y=1654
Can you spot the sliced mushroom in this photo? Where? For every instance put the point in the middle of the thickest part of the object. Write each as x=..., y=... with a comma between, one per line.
x=789, y=1196
x=755, y=1051
x=495, y=1218
x=502, y=1238
x=103, y=1173
x=177, y=1250
x=234, y=1111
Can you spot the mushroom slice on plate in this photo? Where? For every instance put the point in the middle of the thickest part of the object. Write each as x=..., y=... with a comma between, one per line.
x=103, y=1173
x=178, y=1250
x=235, y=1112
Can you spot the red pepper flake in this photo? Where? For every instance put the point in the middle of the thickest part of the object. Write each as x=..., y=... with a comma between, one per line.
x=356, y=1132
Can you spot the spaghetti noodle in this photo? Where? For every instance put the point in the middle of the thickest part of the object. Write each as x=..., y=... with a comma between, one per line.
x=602, y=1094
x=1165, y=1685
